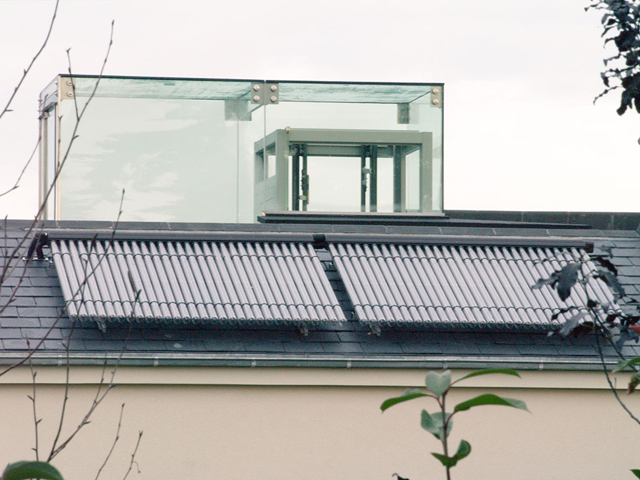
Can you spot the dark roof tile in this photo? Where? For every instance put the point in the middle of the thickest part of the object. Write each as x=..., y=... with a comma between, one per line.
x=185, y=345
x=19, y=322
x=112, y=346
x=12, y=333
x=492, y=349
x=381, y=347
x=538, y=350
x=29, y=312
x=342, y=347
x=259, y=346
x=421, y=348
x=299, y=347
x=19, y=301
x=223, y=345
x=36, y=333
x=14, y=344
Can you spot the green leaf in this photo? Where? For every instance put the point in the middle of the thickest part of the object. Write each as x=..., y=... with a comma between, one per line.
x=438, y=383
x=463, y=451
x=29, y=470
x=490, y=399
x=633, y=383
x=409, y=394
x=488, y=371
x=567, y=278
x=636, y=472
x=624, y=364
x=434, y=424
x=444, y=460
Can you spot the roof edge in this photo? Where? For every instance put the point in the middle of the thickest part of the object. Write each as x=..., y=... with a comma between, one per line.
x=319, y=361
x=319, y=239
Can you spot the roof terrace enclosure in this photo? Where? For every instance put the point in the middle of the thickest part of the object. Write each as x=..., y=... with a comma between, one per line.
x=202, y=150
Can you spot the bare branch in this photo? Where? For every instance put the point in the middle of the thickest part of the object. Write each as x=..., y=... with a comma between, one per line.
x=32, y=397
x=89, y=273
x=113, y=445
x=33, y=60
x=611, y=386
x=133, y=457
x=24, y=169
x=8, y=267
x=99, y=397
x=66, y=388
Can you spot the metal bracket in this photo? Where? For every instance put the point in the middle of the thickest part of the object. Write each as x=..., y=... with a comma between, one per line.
x=102, y=325
x=304, y=330
x=237, y=110
x=267, y=93
x=404, y=116
x=37, y=244
x=436, y=97
x=67, y=88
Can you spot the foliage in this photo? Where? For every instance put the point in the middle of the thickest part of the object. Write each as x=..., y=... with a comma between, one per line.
x=440, y=423
x=614, y=323
x=27, y=470
x=621, y=25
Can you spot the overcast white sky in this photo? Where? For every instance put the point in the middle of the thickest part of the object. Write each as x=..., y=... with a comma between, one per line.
x=521, y=132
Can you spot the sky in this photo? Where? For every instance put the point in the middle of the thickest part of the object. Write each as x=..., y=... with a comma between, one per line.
x=521, y=131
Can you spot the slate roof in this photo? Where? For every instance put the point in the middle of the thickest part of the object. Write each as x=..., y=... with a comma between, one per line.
x=36, y=306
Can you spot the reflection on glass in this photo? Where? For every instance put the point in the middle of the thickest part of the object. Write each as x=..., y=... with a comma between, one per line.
x=176, y=161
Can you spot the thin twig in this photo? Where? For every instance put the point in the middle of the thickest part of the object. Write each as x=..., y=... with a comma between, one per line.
x=133, y=457
x=8, y=269
x=24, y=169
x=99, y=397
x=611, y=386
x=33, y=60
x=113, y=445
x=32, y=397
x=66, y=388
x=11, y=263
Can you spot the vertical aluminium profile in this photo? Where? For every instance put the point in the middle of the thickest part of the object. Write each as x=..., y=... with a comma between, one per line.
x=305, y=179
x=363, y=179
x=426, y=173
x=399, y=174
x=295, y=178
x=373, y=183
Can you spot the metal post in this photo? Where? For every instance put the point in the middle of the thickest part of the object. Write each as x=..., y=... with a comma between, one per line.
x=305, y=179
x=363, y=179
x=399, y=187
x=373, y=182
x=295, y=178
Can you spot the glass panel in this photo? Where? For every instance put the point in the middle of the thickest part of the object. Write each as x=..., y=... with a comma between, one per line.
x=331, y=193
x=201, y=150
x=330, y=92
x=427, y=118
x=344, y=109
x=177, y=159
x=385, y=185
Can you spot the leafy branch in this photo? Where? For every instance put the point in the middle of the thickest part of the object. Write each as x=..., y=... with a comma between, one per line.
x=616, y=322
x=440, y=423
x=621, y=25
